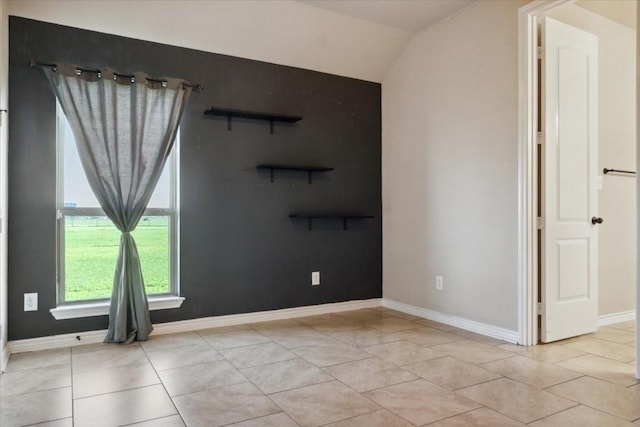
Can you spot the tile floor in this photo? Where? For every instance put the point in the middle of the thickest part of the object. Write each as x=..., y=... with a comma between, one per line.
x=372, y=367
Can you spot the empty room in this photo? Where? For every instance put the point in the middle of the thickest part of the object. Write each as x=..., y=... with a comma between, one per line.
x=319, y=213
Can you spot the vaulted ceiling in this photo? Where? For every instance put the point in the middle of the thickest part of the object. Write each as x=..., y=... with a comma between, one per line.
x=354, y=38
x=408, y=15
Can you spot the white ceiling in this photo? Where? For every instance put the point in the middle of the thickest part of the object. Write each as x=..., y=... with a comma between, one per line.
x=408, y=15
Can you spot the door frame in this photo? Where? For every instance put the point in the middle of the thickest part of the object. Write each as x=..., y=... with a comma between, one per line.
x=528, y=173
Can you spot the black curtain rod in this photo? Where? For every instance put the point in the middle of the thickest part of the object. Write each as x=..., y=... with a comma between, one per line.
x=54, y=67
x=606, y=171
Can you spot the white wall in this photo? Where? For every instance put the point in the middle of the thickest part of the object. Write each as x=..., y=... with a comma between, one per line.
x=277, y=31
x=449, y=167
x=4, y=85
x=617, y=149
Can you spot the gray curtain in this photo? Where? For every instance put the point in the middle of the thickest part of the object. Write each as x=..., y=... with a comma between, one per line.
x=124, y=127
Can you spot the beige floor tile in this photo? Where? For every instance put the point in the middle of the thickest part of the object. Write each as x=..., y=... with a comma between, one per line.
x=37, y=407
x=285, y=375
x=611, y=350
x=516, y=400
x=581, y=416
x=170, y=421
x=425, y=336
x=600, y=367
x=421, y=402
x=629, y=324
x=472, y=351
x=231, y=339
x=189, y=379
x=610, y=398
x=362, y=315
x=116, y=409
x=385, y=311
x=479, y=337
x=108, y=358
x=38, y=379
x=368, y=374
x=549, y=353
x=323, y=403
x=375, y=347
x=278, y=325
x=281, y=419
x=402, y=352
x=183, y=356
x=108, y=380
x=257, y=354
x=300, y=338
x=64, y=422
x=364, y=337
x=451, y=373
x=223, y=329
x=405, y=316
x=574, y=339
x=381, y=418
x=530, y=371
x=478, y=417
x=614, y=335
x=169, y=341
x=436, y=325
x=85, y=348
x=38, y=359
x=389, y=324
x=330, y=323
x=331, y=355
x=224, y=405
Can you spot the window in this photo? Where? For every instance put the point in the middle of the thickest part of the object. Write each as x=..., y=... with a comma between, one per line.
x=88, y=242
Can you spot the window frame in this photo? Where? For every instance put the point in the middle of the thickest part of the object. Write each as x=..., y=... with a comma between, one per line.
x=91, y=307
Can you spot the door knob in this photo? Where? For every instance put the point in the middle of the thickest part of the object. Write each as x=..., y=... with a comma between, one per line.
x=596, y=220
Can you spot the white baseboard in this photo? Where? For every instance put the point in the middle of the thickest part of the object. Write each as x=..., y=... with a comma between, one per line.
x=263, y=316
x=622, y=316
x=56, y=341
x=90, y=337
x=459, y=322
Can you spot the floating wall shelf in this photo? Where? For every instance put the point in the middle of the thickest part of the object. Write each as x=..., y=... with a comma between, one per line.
x=271, y=117
x=343, y=217
x=309, y=169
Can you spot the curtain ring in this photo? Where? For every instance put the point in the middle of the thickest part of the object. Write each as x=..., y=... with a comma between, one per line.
x=133, y=79
x=115, y=77
x=78, y=72
x=99, y=74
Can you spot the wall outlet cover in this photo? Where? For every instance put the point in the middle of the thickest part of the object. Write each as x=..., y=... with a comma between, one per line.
x=315, y=278
x=31, y=302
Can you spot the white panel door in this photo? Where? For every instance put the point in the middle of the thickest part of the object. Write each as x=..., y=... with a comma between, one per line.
x=569, y=258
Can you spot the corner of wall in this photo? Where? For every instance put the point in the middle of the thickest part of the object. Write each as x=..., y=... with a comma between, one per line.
x=638, y=193
x=4, y=133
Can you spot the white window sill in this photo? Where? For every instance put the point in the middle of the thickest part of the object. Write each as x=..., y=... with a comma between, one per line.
x=101, y=308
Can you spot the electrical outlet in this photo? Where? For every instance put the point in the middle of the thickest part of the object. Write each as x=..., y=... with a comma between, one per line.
x=315, y=278
x=439, y=283
x=31, y=302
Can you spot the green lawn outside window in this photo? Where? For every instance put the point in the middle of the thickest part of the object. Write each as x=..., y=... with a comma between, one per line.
x=91, y=249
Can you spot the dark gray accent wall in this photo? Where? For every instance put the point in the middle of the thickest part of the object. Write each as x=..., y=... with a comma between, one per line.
x=239, y=250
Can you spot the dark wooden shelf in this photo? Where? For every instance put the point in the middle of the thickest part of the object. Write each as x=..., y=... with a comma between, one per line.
x=309, y=169
x=255, y=115
x=344, y=217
